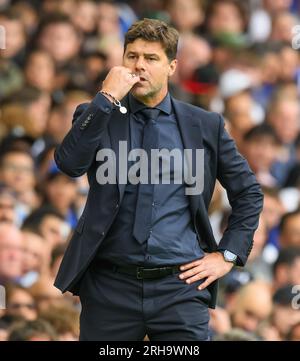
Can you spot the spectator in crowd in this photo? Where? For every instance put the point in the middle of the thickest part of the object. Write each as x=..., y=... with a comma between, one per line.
x=284, y=315
x=251, y=306
x=84, y=16
x=60, y=120
x=220, y=322
x=273, y=210
x=95, y=66
x=15, y=38
x=40, y=70
x=226, y=16
x=286, y=269
x=238, y=103
x=273, y=207
x=49, y=223
x=19, y=302
x=17, y=172
x=45, y=294
x=49, y=7
x=258, y=266
x=7, y=205
x=261, y=18
x=37, y=330
x=62, y=40
x=36, y=258
x=11, y=253
x=16, y=121
x=60, y=192
x=107, y=20
x=282, y=23
x=44, y=162
x=287, y=131
x=59, y=37
x=194, y=52
x=64, y=320
x=293, y=178
x=260, y=147
x=289, y=229
x=27, y=13
x=288, y=57
x=186, y=15
x=37, y=104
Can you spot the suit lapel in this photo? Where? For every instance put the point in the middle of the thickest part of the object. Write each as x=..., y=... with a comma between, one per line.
x=119, y=131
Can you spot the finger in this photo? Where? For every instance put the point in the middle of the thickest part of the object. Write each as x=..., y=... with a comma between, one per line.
x=206, y=283
x=192, y=271
x=132, y=78
x=190, y=265
x=198, y=276
x=135, y=79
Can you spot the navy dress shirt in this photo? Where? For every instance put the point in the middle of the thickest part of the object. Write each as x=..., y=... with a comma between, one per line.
x=173, y=239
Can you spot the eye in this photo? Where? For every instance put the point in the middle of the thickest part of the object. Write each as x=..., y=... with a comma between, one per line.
x=152, y=58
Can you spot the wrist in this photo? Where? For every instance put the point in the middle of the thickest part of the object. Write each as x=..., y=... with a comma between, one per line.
x=114, y=101
x=228, y=256
x=108, y=95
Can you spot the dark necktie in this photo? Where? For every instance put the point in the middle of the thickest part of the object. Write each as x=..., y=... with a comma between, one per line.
x=143, y=211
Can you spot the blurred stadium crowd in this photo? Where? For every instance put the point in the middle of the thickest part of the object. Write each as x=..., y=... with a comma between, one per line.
x=236, y=57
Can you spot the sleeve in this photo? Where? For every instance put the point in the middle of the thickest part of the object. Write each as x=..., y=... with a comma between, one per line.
x=77, y=151
x=244, y=195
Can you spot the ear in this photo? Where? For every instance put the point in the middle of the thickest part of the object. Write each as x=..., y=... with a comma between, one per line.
x=172, y=67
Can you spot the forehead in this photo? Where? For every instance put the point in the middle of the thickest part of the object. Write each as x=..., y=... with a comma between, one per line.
x=30, y=238
x=55, y=28
x=142, y=46
x=51, y=219
x=18, y=157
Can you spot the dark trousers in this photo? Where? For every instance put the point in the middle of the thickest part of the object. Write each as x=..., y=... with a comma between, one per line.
x=119, y=307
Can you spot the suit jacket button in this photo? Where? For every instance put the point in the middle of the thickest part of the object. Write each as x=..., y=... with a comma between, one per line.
x=117, y=205
x=103, y=233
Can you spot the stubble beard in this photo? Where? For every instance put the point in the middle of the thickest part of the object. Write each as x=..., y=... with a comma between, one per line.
x=146, y=95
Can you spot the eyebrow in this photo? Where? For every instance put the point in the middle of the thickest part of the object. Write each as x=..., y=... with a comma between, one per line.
x=145, y=54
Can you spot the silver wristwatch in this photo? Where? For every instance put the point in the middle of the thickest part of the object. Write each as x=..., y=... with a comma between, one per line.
x=229, y=256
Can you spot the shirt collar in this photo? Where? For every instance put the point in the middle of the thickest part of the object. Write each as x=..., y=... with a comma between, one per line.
x=164, y=105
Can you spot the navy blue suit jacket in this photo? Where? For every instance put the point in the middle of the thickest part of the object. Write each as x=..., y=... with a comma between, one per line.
x=95, y=128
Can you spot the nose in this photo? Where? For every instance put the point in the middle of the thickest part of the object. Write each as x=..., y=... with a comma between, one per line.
x=140, y=64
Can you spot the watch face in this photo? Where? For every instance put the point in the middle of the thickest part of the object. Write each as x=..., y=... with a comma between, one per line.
x=229, y=256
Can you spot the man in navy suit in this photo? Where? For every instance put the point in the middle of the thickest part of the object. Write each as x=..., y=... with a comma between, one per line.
x=143, y=258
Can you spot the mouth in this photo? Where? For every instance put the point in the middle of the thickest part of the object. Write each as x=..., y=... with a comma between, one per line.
x=141, y=83
x=142, y=79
